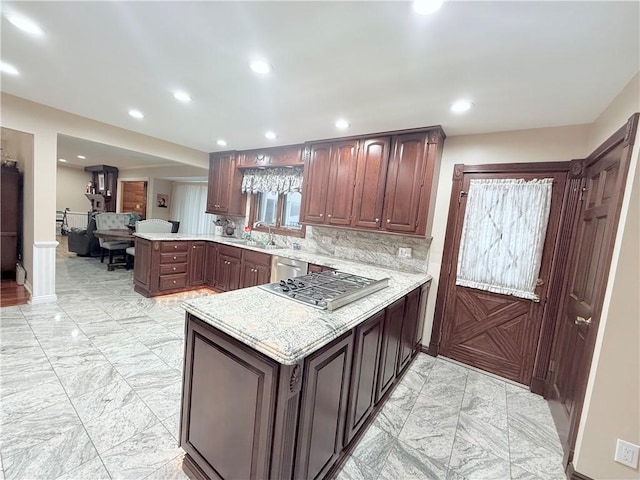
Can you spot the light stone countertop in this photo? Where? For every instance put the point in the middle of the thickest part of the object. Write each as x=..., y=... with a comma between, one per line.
x=282, y=329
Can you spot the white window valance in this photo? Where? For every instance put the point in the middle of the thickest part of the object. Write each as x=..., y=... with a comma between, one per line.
x=503, y=234
x=274, y=180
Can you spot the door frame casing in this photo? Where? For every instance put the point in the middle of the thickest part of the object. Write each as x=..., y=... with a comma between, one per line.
x=558, y=262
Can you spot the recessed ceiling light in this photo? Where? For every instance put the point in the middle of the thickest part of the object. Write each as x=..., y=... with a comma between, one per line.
x=260, y=66
x=25, y=24
x=222, y=143
x=136, y=113
x=81, y=157
x=460, y=106
x=62, y=160
x=341, y=123
x=182, y=96
x=426, y=7
x=270, y=135
x=8, y=68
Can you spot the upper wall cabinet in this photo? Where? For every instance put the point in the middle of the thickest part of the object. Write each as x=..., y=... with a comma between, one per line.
x=329, y=178
x=382, y=183
x=271, y=157
x=224, y=196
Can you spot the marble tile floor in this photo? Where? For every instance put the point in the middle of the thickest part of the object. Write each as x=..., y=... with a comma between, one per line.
x=90, y=389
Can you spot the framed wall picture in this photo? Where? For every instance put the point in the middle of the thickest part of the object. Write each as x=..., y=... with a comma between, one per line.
x=101, y=187
x=162, y=200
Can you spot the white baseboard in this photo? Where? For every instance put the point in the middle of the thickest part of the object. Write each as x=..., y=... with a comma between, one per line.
x=43, y=299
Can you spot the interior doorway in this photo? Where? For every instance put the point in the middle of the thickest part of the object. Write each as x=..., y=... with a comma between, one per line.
x=133, y=197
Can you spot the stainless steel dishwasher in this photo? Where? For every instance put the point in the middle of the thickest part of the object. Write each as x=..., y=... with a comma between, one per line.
x=283, y=268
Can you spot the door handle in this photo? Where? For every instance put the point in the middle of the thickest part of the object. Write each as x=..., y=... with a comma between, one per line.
x=582, y=321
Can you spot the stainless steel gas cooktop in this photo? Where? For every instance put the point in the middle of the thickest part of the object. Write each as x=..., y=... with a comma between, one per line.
x=326, y=290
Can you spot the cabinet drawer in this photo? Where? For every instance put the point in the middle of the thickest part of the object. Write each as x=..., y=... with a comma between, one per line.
x=170, y=282
x=174, y=246
x=173, y=258
x=173, y=268
x=229, y=251
x=257, y=258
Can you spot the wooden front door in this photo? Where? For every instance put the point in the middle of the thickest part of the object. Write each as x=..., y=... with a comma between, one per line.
x=594, y=233
x=134, y=197
x=494, y=332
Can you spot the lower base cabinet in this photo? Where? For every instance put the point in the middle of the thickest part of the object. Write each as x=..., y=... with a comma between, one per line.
x=244, y=416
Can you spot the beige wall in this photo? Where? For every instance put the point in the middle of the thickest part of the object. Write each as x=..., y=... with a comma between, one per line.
x=156, y=186
x=612, y=403
x=70, y=188
x=538, y=145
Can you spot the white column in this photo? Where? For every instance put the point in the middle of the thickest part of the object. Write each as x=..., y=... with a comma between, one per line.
x=42, y=283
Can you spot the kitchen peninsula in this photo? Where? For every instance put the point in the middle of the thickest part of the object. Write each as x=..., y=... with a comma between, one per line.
x=276, y=389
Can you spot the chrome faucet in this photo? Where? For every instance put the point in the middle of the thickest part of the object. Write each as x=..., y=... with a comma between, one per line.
x=265, y=224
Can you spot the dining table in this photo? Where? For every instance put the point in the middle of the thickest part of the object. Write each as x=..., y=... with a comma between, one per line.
x=116, y=234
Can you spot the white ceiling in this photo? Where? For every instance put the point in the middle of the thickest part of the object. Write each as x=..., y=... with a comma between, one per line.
x=524, y=64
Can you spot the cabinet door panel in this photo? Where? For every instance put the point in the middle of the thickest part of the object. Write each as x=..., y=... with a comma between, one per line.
x=224, y=381
x=142, y=264
x=362, y=389
x=316, y=180
x=371, y=176
x=196, y=263
x=223, y=272
x=390, y=345
x=341, y=183
x=212, y=253
x=404, y=183
x=322, y=418
x=248, y=275
x=408, y=337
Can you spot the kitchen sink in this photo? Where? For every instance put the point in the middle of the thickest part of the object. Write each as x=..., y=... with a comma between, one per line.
x=253, y=244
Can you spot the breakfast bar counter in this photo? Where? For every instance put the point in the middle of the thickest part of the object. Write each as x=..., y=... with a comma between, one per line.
x=273, y=388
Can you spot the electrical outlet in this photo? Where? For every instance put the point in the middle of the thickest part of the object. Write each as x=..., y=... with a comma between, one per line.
x=627, y=453
x=404, y=252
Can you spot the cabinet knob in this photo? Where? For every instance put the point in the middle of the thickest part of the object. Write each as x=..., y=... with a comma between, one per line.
x=174, y=281
x=174, y=269
x=322, y=215
x=175, y=247
x=388, y=220
x=377, y=220
x=329, y=215
x=193, y=246
x=175, y=257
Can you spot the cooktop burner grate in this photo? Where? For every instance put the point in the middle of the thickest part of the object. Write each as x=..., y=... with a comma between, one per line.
x=326, y=290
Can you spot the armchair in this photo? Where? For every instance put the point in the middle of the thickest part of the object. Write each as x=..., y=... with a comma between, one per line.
x=83, y=242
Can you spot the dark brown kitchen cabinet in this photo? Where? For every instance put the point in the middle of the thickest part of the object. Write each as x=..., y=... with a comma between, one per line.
x=256, y=269
x=409, y=325
x=410, y=189
x=328, y=186
x=228, y=267
x=391, y=333
x=324, y=401
x=224, y=196
x=271, y=157
x=371, y=176
x=211, y=257
x=197, y=256
x=366, y=351
x=142, y=265
x=313, y=268
x=224, y=380
x=315, y=183
x=163, y=267
x=342, y=173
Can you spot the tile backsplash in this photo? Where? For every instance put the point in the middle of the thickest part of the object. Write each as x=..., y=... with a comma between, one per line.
x=366, y=247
